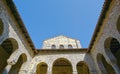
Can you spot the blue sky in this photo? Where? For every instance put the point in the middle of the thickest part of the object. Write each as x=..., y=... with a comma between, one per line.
x=49, y=18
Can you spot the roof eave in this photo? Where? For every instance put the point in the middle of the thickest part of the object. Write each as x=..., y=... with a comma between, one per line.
x=17, y=17
x=99, y=23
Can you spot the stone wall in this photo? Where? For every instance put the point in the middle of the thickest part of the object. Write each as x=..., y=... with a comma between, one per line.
x=12, y=38
x=50, y=57
x=108, y=30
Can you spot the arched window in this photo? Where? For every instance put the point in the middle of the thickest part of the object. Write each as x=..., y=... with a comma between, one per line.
x=61, y=47
x=70, y=46
x=53, y=47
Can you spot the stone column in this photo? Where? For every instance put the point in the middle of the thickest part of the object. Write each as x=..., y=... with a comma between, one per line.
x=74, y=68
x=22, y=72
x=24, y=68
x=31, y=72
x=7, y=69
x=115, y=67
x=49, y=69
x=49, y=72
x=112, y=61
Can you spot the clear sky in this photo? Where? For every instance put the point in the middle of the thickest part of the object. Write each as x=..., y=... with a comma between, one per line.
x=49, y=18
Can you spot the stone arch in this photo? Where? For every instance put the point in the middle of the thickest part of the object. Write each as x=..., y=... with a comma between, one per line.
x=1, y=27
x=62, y=66
x=41, y=68
x=112, y=45
x=105, y=67
x=10, y=45
x=118, y=24
x=6, y=49
x=15, y=69
x=82, y=68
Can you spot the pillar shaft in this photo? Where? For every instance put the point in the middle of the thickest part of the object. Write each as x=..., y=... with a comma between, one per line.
x=7, y=69
x=115, y=67
x=49, y=70
x=74, y=68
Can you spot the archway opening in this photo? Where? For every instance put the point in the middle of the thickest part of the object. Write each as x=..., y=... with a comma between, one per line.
x=105, y=67
x=61, y=47
x=41, y=68
x=82, y=68
x=113, y=45
x=53, y=46
x=62, y=66
x=70, y=46
x=1, y=27
x=15, y=69
x=6, y=49
x=118, y=24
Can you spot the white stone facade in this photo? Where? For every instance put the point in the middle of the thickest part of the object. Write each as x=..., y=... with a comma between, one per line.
x=49, y=57
x=108, y=30
x=61, y=40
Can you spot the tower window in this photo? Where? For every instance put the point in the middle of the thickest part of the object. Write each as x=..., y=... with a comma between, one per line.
x=53, y=47
x=61, y=47
x=70, y=46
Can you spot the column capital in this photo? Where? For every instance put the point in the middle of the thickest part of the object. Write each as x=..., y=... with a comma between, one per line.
x=12, y=60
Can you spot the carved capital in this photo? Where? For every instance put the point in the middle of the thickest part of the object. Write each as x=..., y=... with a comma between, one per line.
x=11, y=61
x=14, y=57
